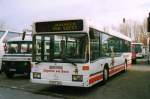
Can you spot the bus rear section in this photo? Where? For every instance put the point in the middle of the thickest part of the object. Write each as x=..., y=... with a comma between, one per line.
x=137, y=48
x=137, y=51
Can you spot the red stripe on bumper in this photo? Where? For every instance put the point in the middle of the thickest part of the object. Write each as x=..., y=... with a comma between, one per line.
x=96, y=78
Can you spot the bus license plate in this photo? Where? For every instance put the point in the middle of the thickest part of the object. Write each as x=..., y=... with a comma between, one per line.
x=55, y=82
x=11, y=69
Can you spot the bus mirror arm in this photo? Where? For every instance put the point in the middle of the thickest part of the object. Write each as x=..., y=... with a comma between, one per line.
x=37, y=62
x=65, y=59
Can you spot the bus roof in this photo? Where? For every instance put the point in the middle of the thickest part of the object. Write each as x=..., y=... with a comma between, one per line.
x=89, y=23
x=27, y=38
x=110, y=32
x=136, y=43
x=9, y=31
x=119, y=35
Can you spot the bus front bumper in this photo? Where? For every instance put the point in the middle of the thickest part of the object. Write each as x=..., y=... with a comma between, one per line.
x=59, y=83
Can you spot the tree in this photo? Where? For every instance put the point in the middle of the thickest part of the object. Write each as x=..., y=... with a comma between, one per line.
x=135, y=30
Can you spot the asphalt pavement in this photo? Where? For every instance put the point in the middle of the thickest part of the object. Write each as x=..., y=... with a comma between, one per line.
x=7, y=93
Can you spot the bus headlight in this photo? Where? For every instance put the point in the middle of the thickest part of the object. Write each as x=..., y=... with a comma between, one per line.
x=3, y=63
x=77, y=78
x=36, y=75
x=25, y=63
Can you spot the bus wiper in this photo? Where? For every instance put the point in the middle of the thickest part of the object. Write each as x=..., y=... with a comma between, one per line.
x=55, y=60
x=66, y=60
x=38, y=62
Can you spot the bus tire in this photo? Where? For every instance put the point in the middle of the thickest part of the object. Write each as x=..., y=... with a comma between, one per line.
x=134, y=61
x=9, y=74
x=28, y=75
x=125, y=66
x=148, y=62
x=105, y=75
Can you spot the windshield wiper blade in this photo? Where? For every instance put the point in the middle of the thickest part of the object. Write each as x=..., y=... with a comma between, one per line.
x=55, y=60
x=66, y=60
x=38, y=62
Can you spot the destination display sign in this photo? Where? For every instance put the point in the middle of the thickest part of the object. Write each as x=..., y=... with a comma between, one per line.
x=59, y=26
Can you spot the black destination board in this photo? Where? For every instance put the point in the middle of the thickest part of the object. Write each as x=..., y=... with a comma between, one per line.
x=59, y=26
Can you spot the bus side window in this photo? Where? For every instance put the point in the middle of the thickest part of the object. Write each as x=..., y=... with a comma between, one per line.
x=94, y=44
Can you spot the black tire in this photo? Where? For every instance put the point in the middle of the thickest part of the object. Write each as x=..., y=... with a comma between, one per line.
x=28, y=75
x=125, y=66
x=134, y=61
x=9, y=74
x=105, y=75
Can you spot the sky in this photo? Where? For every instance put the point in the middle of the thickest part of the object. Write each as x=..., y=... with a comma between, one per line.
x=20, y=14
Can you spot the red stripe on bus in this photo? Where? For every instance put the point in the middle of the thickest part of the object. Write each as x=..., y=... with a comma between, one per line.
x=96, y=73
x=96, y=78
x=111, y=71
x=114, y=71
x=129, y=65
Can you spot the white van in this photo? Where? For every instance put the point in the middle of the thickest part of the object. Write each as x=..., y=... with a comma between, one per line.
x=18, y=56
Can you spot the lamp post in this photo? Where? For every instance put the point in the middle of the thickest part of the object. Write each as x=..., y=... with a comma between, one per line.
x=148, y=25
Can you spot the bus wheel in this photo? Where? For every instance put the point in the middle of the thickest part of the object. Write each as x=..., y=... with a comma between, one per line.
x=148, y=61
x=105, y=75
x=125, y=65
x=9, y=74
x=28, y=75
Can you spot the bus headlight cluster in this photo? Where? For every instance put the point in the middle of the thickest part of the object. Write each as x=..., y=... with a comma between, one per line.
x=3, y=63
x=77, y=78
x=25, y=63
x=37, y=75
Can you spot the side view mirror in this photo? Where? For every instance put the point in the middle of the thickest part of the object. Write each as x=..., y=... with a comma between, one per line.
x=5, y=47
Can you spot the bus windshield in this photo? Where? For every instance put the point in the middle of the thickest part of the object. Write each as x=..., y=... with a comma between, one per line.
x=19, y=47
x=61, y=47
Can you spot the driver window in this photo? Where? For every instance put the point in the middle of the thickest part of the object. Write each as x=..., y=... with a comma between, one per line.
x=24, y=48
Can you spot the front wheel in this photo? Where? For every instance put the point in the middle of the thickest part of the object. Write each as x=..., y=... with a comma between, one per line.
x=9, y=74
x=134, y=61
x=125, y=65
x=28, y=74
x=105, y=75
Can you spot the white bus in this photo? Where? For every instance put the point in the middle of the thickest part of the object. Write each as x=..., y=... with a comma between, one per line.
x=138, y=49
x=4, y=36
x=75, y=53
x=17, y=57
